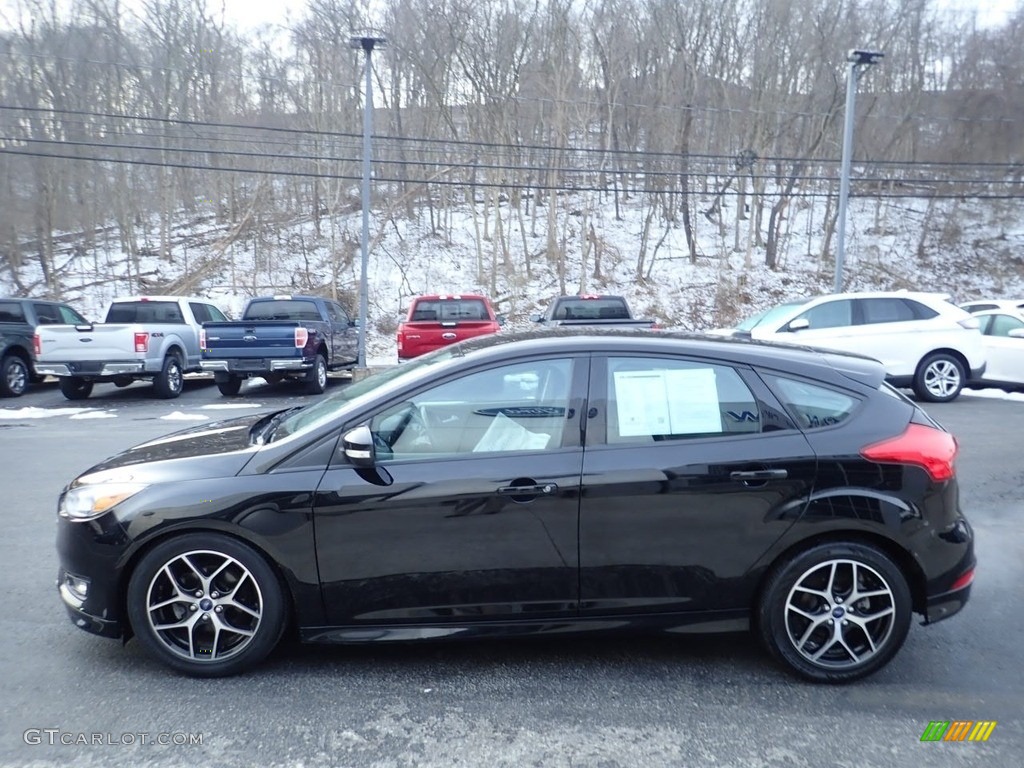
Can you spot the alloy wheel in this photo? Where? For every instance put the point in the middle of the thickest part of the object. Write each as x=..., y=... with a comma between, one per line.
x=840, y=613
x=204, y=605
x=942, y=378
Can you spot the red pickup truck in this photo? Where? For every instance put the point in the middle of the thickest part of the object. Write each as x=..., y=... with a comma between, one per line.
x=437, y=321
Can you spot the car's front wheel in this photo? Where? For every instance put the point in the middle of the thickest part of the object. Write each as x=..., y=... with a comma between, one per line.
x=74, y=388
x=169, y=382
x=836, y=612
x=939, y=378
x=206, y=605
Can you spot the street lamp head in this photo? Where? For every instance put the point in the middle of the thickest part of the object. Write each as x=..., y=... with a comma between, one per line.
x=864, y=58
x=366, y=42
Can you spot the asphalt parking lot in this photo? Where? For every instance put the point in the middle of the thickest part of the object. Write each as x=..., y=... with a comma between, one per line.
x=636, y=701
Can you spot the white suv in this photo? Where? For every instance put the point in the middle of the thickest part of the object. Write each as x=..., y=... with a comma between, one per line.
x=924, y=341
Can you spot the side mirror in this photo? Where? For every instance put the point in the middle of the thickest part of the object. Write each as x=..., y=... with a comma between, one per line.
x=537, y=318
x=800, y=324
x=1016, y=333
x=358, y=446
x=354, y=323
x=501, y=319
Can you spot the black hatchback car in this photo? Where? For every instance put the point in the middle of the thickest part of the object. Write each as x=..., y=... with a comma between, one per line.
x=542, y=483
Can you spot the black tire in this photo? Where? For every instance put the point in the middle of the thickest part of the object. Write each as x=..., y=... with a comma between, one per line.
x=316, y=379
x=865, y=632
x=74, y=388
x=14, y=376
x=939, y=378
x=230, y=386
x=244, y=594
x=169, y=382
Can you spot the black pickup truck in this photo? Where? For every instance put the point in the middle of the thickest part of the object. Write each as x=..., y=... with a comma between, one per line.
x=280, y=337
x=590, y=309
x=18, y=321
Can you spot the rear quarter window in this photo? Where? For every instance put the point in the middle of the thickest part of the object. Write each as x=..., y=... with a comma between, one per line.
x=813, y=405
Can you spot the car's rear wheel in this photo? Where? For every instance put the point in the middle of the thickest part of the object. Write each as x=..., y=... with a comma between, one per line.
x=836, y=612
x=169, y=382
x=939, y=378
x=230, y=386
x=316, y=383
x=206, y=605
x=14, y=376
x=74, y=388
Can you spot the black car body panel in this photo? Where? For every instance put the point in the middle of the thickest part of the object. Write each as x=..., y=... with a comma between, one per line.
x=588, y=533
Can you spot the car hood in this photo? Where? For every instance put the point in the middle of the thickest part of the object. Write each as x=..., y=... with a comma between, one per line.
x=218, y=449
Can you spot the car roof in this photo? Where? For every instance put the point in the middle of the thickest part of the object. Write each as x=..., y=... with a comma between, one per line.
x=764, y=354
x=156, y=297
x=447, y=296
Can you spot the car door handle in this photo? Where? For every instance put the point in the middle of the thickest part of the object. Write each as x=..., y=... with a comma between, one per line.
x=760, y=475
x=547, y=489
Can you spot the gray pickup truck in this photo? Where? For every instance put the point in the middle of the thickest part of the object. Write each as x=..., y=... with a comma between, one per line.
x=278, y=337
x=143, y=337
x=590, y=310
x=19, y=319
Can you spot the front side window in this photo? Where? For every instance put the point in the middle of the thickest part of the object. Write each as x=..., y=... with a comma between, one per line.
x=1001, y=325
x=519, y=407
x=831, y=314
x=654, y=399
x=69, y=316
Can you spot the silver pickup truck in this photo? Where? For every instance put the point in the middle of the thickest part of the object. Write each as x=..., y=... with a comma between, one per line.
x=143, y=337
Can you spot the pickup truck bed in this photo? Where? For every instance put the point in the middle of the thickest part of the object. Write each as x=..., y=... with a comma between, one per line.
x=280, y=337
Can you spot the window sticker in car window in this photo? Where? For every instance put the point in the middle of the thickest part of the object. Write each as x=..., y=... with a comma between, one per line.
x=667, y=402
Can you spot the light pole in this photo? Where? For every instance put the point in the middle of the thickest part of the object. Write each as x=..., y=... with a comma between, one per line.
x=367, y=44
x=858, y=61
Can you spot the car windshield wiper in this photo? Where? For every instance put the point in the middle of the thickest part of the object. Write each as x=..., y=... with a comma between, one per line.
x=263, y=429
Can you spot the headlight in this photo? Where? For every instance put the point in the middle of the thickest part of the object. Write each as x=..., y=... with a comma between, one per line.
x=90, y=501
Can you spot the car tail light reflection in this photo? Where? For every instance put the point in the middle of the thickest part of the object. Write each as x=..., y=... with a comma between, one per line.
x=924, y=446
x=301, y=337
x=141, y=342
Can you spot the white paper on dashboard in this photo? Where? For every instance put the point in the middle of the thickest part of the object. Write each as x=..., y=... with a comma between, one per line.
x=504, y=434
x=667, y=402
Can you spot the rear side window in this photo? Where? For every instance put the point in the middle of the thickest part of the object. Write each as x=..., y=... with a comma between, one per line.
x=449, y=310
x=813, y=405
x=11, y=312
x=894, y=311
x=282, y=309
x=151, y=312
x=655, y=399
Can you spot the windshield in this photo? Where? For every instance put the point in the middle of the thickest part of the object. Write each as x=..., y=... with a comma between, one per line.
x=769, y=316
x=324, y=410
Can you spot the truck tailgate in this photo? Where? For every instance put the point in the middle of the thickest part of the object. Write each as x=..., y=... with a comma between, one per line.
x=244, y=339
x=424, y=336
x=101, y=342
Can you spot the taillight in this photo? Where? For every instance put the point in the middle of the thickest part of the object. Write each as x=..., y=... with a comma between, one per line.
x=202, y=338
x=401, y=338
x=301, y=337
x=971, y=323
x=926, y=447
x=141, y=342
x=37, y=345
x=963, y=581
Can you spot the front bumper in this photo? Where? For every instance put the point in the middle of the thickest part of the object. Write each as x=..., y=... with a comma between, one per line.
x=74, y=603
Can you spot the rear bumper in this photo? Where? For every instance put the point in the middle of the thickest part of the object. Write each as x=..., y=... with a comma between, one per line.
x=244, y=366
x=948, y=604
x=88, y=369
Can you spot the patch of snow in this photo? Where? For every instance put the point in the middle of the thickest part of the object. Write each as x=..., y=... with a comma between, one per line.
x=228, y=406
x=182, y=416
x=994, y=394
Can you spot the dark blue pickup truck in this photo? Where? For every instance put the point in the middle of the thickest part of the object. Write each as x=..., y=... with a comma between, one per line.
x=281, y=337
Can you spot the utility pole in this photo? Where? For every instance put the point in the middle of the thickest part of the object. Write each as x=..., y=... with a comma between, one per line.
x=858, y=61
x=367, y=44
